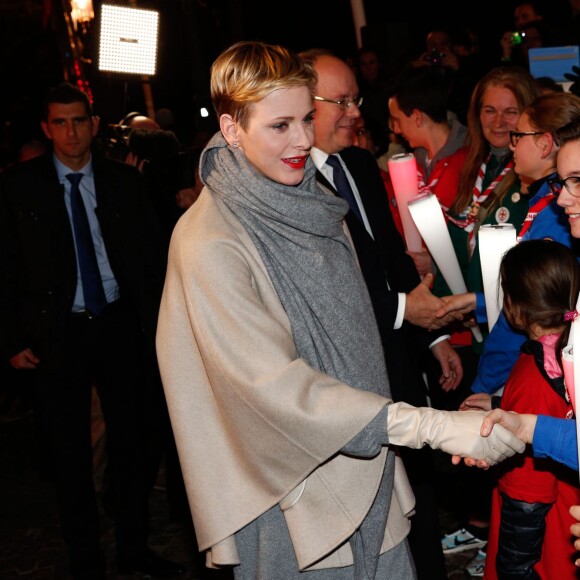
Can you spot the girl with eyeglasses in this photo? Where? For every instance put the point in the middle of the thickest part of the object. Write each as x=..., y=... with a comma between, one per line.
x=566, y=185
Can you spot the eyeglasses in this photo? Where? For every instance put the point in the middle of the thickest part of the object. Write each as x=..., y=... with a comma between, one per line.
x=572, y=185
x=344, y=105
x=515, y=136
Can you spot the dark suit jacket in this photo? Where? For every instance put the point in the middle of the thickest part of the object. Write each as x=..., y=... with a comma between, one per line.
x=385, y=259
x=37, y=258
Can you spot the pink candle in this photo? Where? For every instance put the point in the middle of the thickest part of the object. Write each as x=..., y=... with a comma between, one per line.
x=403, y=172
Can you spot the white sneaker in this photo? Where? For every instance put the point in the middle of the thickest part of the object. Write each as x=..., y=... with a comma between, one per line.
x=476, y=565
x=460, y=540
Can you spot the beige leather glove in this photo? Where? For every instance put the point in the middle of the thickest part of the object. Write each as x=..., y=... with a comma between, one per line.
x=455, y=432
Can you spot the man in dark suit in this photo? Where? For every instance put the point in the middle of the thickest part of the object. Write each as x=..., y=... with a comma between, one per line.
x=404, y=306
x=81, y=272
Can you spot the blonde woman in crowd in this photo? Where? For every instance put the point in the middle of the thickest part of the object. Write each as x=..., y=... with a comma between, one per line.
x=271, y=358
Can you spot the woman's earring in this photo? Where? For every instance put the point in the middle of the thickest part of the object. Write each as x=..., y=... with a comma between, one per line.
x=235, y=145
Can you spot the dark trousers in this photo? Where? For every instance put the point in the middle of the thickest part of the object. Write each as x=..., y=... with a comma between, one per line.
x=108, y=352
x=467, y=491
x=405, y=363
x=425, y=535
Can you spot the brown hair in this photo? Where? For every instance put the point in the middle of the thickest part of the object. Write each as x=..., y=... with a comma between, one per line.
x=540, y=280
x=553, y=111
x=525, y=90
x=568, y=133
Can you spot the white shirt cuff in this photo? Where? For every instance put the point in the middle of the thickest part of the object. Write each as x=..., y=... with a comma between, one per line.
x=400, y=311
x=439, y=339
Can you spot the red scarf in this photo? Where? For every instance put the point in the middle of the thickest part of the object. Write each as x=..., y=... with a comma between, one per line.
x=479, y=197
x=435, y=177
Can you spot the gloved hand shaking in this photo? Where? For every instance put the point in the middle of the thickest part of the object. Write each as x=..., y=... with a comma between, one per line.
x=455, y=432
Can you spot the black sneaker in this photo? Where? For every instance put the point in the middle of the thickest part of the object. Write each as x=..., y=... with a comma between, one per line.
x=460, y=540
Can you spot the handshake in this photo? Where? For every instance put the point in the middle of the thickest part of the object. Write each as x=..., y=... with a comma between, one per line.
x=462, y=434
x=428, y=311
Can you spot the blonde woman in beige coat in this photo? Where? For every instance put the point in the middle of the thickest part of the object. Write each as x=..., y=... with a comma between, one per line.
x=271, y=358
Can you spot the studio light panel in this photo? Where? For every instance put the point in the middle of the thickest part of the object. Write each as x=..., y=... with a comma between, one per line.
x=128, y=42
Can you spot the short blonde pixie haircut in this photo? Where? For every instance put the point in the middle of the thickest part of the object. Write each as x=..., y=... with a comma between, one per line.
x=248, y=71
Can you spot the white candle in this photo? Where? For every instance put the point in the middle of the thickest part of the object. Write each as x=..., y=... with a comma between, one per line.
x=403, y=172
x=494, y=241
x=428, y=217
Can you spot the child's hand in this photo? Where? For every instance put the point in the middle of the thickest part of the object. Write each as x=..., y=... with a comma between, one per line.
x=459, y=303
x=477, y=401
x=575, y=528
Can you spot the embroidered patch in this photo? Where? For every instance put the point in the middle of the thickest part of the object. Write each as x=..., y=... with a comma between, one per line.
x=516, y=197
x=502, y=215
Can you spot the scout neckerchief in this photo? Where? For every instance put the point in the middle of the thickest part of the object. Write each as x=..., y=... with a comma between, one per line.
x=479, y=197
x=533, y=214
x=435, y=177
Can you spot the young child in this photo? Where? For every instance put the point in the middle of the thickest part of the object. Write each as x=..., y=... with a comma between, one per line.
x=529, y=532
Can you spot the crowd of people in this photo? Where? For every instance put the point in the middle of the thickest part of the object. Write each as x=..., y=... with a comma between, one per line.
x=248, y=315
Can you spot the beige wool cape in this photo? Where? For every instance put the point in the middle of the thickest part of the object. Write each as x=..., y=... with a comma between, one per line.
x=255, y=425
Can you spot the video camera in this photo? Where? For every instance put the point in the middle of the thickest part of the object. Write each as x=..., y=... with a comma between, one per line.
x=152, y=145
x=115, y=142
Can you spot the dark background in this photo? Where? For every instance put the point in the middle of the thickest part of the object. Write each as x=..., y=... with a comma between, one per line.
x=34, y=54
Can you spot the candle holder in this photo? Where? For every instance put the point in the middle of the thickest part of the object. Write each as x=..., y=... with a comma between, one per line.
x=428, y=217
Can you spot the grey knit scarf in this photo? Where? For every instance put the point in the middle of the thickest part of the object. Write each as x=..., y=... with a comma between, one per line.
x=298, y=233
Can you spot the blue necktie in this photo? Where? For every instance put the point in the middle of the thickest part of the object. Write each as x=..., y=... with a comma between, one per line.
x=343, y=186
x=93, y=292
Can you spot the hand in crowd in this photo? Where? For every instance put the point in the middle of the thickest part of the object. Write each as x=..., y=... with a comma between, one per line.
x=477, y=401
x=25, y=359
x=446, y=59
x=575, y=528
x=457, y=303
x=132, y=159
x=422, y=307
x=450, y=60
x=423, y=262
x=451, y=367
x=506, y=44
